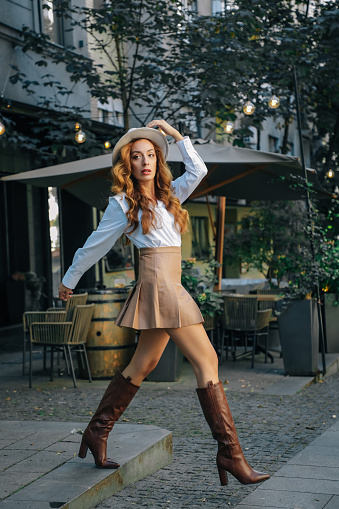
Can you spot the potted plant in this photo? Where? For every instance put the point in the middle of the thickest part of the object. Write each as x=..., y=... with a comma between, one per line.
x=201, y=288
x=282, y=242
x=24, y=292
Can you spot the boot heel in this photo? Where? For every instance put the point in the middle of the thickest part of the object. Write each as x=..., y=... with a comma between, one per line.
x=83, y=449
x=222, y=476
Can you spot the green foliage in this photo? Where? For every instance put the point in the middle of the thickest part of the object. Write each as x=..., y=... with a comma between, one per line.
x=269, y=237
x=200, y=286
x=277, y=239
x=162, y=61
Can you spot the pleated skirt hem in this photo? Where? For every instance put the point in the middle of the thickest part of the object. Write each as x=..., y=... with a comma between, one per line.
x=158, y=300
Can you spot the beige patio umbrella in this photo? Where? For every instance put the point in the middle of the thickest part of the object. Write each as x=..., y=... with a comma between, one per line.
x=233, y=172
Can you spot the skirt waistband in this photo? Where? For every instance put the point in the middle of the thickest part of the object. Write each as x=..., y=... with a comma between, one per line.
x=159, y=250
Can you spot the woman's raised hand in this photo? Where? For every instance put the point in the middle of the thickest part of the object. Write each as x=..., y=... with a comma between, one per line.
x=166, y=128
x=64, y=292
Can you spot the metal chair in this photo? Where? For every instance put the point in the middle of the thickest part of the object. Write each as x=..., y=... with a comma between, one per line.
x=243, y=321
x=64, y=336
x=211, y=325
x=51, y=315
x=277, y=307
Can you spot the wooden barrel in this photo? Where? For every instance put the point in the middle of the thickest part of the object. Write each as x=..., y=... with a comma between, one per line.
x=109, y=347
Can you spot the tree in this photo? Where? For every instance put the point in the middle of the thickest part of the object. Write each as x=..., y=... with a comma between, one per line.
x=270, y=239
x=161, y=60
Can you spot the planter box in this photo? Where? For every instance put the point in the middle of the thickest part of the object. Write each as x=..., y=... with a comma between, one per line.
x=19, y=300
x=299, y=338
x=169, y=366
x=332, y=322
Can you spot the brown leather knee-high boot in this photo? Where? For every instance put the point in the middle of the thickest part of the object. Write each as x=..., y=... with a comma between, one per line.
x=230, y=457
x=116, y=399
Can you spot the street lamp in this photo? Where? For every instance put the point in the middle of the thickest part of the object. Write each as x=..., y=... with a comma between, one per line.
x=330, y=173
x=2, y=128
x=107, y=144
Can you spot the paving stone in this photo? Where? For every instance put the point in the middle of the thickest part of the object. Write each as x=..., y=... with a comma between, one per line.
x=282, y=499
x=288, y=386
x=301, y=485
x=9, y=458
x=333, y=503
x=309, y=472
x=10, y=483
x=38, y=441
x=328, y=439
x=5, y=443
x=11, y=504
x=40, y=463
x=317, y=456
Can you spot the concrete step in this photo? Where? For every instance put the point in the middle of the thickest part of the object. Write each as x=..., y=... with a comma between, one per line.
x=290, y=385
x=40, y=468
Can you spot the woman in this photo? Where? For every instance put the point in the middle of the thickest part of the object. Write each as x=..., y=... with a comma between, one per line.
x=146, y=206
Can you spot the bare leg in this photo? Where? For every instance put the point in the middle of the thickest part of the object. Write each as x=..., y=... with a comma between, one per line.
x=151, y=344
x=196, y=346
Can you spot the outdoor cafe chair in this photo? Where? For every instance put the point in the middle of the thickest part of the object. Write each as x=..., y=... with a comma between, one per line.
x=50, y=315
x=271, y=291
x=65, y=336
x=242, y=321
x=277, y=304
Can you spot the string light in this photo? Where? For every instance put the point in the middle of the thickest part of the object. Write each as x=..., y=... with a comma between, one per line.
x=274, y=102
x=248, y=108
x=2, y=129
x=107, y=144
x=330, y=173
x=80, y=137
x=229, y=127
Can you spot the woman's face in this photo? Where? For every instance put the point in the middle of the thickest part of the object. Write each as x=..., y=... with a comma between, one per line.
x=143, y=161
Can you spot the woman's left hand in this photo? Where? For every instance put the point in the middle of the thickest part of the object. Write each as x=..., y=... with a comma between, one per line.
x=167, y=129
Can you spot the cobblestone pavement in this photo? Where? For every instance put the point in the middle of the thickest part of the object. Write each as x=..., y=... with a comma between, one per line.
x=272, y=429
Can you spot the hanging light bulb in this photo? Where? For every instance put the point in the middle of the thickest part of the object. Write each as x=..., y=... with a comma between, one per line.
x=274, y=102
x=107, y=144
x=229, y=127
x=2, y=129
x=77, y=126
x=330, y=173
x=248, y=108
x=80, y=137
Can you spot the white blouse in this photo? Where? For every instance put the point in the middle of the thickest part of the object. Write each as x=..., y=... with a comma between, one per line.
x=114, y=221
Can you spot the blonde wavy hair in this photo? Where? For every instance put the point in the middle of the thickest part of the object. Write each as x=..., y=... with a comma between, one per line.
x=124, y=182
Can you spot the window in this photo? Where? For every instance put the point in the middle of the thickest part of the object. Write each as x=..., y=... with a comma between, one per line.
x=119, y=257
x=291, y=148
x=273, y=144
x=200, y=238
x=52, y=23
x=111, y=112
x=221, y=6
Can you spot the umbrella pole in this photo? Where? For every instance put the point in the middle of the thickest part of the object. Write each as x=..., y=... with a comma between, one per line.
x=219, y=245
x=308, y=206
x=100, y=284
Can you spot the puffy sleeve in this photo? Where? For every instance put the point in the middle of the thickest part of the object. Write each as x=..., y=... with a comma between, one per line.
x=111, y=227
x=195, y=171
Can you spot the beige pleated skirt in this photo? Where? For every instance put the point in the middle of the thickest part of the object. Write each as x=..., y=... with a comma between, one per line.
x=158, y=300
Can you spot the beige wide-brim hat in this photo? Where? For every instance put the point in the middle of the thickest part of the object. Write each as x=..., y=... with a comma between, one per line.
x=137, y=133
